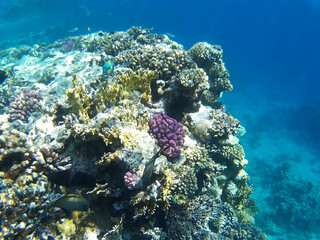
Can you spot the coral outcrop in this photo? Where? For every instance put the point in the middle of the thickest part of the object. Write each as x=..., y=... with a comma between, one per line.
x=209, y=58
x=162, y=154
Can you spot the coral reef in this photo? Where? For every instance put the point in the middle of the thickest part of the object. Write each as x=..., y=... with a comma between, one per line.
x=209, y=58
x=206, y=218
x=169, y=134
x=284, y=189
x=155, y=161
x=23, y=105
x=131, y=180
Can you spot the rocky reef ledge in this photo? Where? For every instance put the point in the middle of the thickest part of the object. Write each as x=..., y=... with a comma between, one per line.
x=120, y=135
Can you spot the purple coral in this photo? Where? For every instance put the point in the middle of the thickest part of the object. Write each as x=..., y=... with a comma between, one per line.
x=169, y=134
x=67, y=46
x=24, y=104
x=131, y=180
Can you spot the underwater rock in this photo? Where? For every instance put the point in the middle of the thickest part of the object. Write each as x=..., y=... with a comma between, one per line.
x=69, y=178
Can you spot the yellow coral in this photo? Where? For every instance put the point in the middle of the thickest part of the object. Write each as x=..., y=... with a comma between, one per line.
x=79, y=99
x=123, y=87
x=138, y=81
x=66, y=227
x=169, y=184
x=131, y=117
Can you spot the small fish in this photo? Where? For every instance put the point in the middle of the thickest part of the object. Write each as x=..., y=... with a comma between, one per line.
x=71, y=203
x=170, y=35
x=3, y=75
x=72, y=30
x=148, y=170
x=89, y=29
x=69, y=178
x=11, y=71
x=108, y=67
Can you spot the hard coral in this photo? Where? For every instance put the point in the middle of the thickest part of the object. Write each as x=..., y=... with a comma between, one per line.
x=23, y=105
x=209, y=58
x=169, y=134
x=131, y=180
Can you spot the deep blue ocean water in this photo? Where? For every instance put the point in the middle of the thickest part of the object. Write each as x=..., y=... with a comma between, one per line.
x=272, y=51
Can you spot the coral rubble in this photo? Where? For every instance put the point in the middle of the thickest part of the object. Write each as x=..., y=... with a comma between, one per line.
x=161, y=154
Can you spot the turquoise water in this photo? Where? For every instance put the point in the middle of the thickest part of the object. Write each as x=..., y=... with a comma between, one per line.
x=271, y=51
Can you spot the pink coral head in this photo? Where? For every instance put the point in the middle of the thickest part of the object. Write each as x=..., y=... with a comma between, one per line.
x=169, y=134
x=131, y=180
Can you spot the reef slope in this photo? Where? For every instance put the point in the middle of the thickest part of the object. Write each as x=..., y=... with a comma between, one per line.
x=101, y=106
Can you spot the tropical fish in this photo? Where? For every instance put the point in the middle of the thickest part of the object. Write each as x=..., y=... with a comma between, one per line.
x=72, y=30
x=108, y=67
x=3, y=75
x=148, y=170
x=89, y=29
x=71, y=203
x=170, y=35
x=70, y=178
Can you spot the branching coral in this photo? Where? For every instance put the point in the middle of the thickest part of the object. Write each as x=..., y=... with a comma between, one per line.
x=79, y=99
x=123, y=87
x=206, y=218
x=183, y=91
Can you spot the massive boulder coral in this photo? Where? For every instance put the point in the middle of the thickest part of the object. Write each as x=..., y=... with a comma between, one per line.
x=213, y=125
x=184, y=90
x=209, y=58
x=24, y=104
x=154, y=153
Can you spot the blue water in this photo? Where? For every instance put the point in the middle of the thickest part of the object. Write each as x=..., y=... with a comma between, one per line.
x=271, y=49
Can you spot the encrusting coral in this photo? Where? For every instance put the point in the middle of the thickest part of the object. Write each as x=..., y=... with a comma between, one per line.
x=162, y=155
